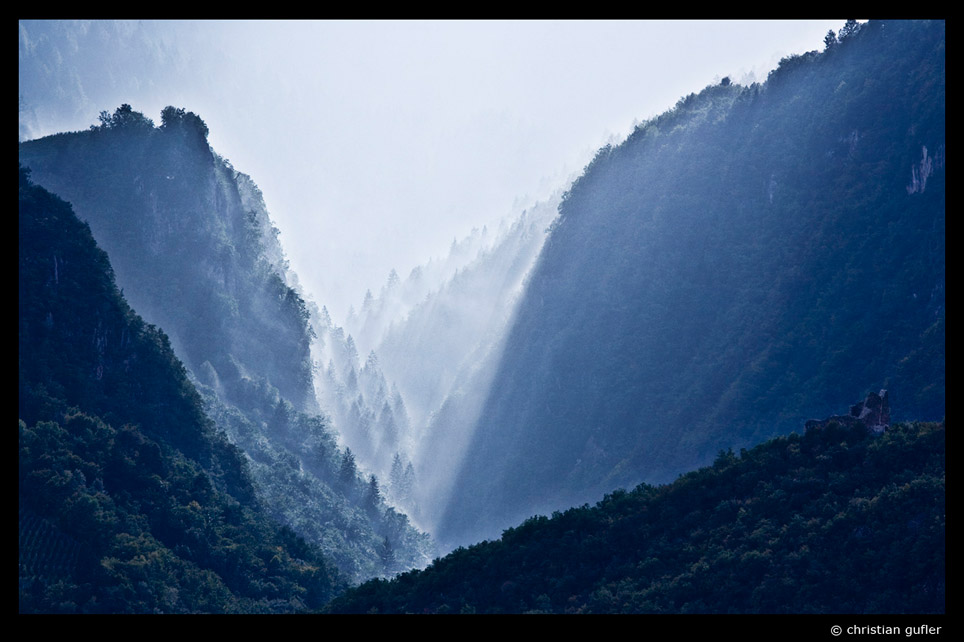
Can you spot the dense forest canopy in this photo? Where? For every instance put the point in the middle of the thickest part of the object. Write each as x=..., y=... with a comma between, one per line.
x=832, y=521
x=130, y=499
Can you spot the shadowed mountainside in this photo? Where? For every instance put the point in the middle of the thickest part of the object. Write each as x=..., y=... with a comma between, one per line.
x=752, y=258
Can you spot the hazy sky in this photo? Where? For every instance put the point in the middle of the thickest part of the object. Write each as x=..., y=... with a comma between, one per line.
x=376, y=143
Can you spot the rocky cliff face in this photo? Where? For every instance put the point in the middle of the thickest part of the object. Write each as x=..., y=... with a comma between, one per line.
x=195, y=251
x=873, y=412
x=191, y=243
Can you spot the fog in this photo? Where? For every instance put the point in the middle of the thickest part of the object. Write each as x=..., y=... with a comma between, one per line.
x=377, y=143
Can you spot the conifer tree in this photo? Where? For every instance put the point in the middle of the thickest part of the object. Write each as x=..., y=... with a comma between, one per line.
x=349, y=469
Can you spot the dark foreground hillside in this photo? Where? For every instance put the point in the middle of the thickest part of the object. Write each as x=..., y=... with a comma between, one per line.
x=130, y=501
x=836, y=520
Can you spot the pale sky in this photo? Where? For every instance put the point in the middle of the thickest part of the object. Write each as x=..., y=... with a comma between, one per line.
x=376, y=143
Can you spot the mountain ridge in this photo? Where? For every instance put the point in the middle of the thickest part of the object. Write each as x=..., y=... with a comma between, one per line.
x=751, y=258
x=130, y=498
x=193, y=246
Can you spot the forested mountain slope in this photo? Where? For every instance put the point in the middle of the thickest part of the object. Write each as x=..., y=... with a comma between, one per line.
x=130, y=499
x=191, y=242
x=196, y=253
x=406, y=374
x=753, y=258
x=838, y=520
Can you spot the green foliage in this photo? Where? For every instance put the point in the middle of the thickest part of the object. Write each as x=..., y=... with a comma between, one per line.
x=173, y=118
x=129, y=499
x=834, y=521
x=196, y=253
x=306, y=481
x=124, y=117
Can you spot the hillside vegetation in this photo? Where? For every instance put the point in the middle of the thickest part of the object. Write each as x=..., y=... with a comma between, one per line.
x=753, y=258
x=832, y=521
x=130, y=499
x=194, y=251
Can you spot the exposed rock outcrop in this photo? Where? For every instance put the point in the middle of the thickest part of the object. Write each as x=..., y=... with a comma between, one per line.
x=873, y=412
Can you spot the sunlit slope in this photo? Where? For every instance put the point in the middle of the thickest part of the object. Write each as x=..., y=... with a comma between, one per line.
x=407, y=373
x=755, y=257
